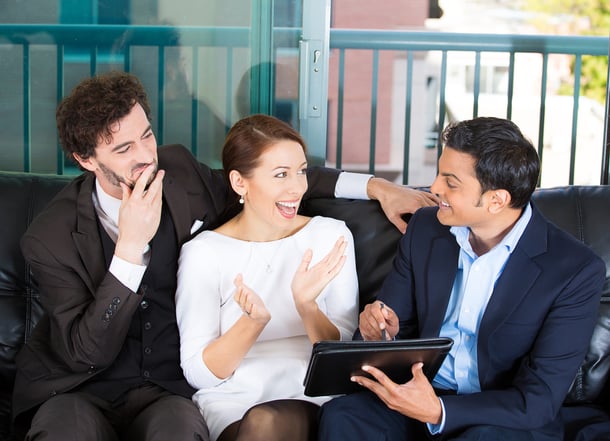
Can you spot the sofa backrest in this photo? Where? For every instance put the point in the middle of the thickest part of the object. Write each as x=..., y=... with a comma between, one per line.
x=582, y=211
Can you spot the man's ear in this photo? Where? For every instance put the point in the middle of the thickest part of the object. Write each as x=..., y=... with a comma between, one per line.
x=500, y=199
x=87, y=164
x=238, y=183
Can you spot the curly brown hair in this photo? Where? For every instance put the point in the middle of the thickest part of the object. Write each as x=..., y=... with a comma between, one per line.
x=86, y=115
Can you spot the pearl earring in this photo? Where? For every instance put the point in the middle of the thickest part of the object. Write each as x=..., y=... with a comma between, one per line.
x=241, y=199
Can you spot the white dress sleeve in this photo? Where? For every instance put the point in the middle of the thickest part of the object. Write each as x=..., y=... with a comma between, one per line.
x=198, y=300
x=339, y=300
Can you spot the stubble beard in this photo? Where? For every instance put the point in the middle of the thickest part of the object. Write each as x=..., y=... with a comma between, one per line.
x=116, y=180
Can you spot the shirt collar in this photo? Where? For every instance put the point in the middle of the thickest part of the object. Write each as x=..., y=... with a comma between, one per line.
x=509, y=241
x=108, y=204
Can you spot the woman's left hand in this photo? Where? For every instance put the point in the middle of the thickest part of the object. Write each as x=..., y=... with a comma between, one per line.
x=308, y=283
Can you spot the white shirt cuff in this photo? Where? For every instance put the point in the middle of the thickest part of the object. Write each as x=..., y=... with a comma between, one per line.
x=352, y=185
x=435, y=429
x=129, y=274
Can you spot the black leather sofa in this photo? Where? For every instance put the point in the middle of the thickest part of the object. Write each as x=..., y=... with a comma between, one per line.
x=583, y=211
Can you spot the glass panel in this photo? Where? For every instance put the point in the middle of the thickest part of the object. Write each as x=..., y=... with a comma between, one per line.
x=195, y=59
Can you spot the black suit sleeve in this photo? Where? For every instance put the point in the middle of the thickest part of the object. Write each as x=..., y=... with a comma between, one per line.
x=321, y=182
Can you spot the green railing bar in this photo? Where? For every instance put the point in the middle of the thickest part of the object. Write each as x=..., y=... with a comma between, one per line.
x=267, y=55
x=255, y=79
x=92, y=60
x=442, y=104
x=194, y=100
x=477, y=84
x=340, y=96
x=449, y=41
x=140, y=35
x=127, y=59
x=577, y=72
x=545, y=68
x=160, y=93
x=27, y=92
x=408, y=108
x=60, y=93
x=374, y=91
x=511, y=85
x=606, y=144
x=233, y=36
x=229, y=101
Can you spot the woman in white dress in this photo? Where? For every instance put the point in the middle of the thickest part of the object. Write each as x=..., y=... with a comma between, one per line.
x=255, y=293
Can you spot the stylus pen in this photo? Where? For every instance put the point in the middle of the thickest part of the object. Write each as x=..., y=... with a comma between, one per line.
x=381, y=306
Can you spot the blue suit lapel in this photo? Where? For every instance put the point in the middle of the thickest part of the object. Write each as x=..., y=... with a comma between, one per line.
x=519, y=275
x=444, y=252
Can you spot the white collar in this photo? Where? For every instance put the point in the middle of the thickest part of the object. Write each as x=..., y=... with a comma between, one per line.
x=109, y=205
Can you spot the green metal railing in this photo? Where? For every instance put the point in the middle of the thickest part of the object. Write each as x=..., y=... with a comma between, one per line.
x=93, y=43
x=411, y=43
x=97, y=46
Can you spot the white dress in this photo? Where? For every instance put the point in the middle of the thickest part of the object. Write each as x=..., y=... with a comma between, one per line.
x=275, y=366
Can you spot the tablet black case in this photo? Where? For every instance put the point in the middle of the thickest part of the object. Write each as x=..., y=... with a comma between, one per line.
x=332, y=363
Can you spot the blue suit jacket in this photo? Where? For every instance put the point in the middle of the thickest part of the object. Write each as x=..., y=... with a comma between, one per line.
x=535, y=330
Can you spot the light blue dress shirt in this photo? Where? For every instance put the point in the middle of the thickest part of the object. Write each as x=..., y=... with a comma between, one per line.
x=472, y=288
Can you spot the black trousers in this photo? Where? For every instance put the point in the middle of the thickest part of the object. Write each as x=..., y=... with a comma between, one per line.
x=145, y=413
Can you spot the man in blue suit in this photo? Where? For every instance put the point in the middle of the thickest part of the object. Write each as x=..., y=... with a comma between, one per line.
x=518, y=296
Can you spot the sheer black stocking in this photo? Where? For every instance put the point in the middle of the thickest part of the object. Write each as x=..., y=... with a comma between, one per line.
x=279, y=420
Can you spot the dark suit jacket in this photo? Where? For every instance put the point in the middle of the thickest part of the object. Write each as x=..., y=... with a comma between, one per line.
x=534, y=332
x=71, y=343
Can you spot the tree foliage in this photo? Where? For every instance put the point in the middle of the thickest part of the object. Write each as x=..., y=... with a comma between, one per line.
x=578, y=17
x=584, y=17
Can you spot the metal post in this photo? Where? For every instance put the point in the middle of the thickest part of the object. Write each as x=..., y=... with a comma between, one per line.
x=313, y=78
x=606, y=148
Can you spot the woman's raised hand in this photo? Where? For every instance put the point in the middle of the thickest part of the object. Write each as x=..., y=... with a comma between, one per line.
x=249, y=302
x=308, y=283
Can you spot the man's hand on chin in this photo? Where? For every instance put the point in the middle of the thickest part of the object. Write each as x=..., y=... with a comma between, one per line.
x=396, y=200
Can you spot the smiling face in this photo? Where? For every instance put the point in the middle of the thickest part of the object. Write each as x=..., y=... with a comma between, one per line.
x=274, y=189
x=124, y=156
x=459, y=191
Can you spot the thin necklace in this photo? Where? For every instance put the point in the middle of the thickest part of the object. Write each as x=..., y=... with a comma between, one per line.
x=269, y=260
